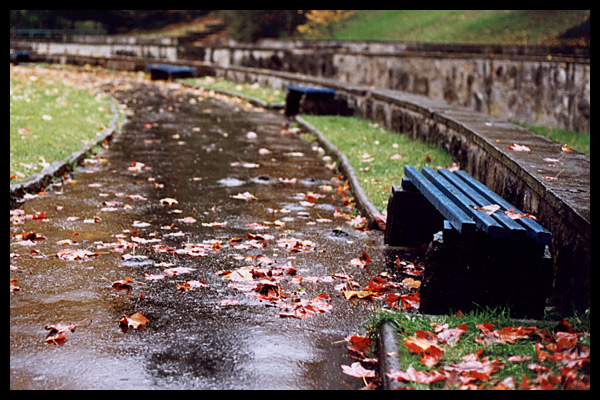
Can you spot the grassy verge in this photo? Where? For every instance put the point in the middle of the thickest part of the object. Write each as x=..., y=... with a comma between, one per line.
x=508, y=354
x=526, y=27
x=377, y=155
x=245, y=89
x=49, y=120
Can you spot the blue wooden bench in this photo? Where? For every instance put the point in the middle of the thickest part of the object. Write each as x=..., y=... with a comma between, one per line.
x=169, y=72
x=458, y=198
x=472, y=257
x=314, y=100
x=19, y=56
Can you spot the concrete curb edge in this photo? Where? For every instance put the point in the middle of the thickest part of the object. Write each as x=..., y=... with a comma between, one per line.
x=387, y=353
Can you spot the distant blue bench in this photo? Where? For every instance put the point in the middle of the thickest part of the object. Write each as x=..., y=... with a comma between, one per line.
x=169, y=72
x=19, y=56
x=314, y=100
x=472, y=257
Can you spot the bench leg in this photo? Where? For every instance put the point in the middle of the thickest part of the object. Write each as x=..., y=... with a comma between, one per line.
x=483, y=272
x=292, y=103
x=411, y=219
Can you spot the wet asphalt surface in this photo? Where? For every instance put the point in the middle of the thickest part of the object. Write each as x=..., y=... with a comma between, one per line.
x=182, y=144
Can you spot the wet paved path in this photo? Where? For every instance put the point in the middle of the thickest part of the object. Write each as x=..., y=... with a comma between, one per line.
x=228, y=333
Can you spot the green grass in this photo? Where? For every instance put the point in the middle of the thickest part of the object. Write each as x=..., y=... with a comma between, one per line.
x=362, y=140
x=407, y=325
x=49, y=120
x=246, y=89
x=460, y=26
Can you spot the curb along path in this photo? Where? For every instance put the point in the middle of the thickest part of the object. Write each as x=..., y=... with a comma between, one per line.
x=375, y=218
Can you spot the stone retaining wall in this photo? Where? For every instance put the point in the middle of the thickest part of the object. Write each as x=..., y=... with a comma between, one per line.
x=558, y=194
x=536, y=85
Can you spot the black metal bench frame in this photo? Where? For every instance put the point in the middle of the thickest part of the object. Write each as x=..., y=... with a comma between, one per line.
x=472, y=258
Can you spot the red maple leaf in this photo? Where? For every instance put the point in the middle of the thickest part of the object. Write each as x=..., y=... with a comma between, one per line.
x=58, y=332
x=358, y=371
x=425, y=343
x=415, y=376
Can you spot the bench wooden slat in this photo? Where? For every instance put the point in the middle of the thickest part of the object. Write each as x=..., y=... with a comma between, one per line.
x=171, y=69
x=517, y=231
x=534, y=230
x=458, y=218
x=482, y=220
x=311, y=90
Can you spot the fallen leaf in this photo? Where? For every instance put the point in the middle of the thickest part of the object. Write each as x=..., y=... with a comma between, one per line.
x=168, y=201
x=245, y=164
x=361, y=261
x=214, y=224
x=75, y=254
x=411, y=283
x=136, y=166
x=32, y=236
x=358, y=371
x=415, y=376
x=177, y=271
x=13, y=285
x=518, y=147
x=489, y=209
x=421, y=341
x=360, y=346
x=187, y=220
x=410, y=301
x=189, y=285
x=451, y=336
x=136, y=321
x=358, y=223
x=512, y=214
x=244, y=196
x=478, y=369
x=359, y=294
x=58, y=332
x=122, y=283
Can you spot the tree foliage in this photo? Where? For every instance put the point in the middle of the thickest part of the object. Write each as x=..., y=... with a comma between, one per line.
x=114, y=21
x=251, y=25
x=323, y=20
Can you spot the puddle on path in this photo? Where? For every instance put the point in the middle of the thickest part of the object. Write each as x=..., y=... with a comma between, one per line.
x=186, y=145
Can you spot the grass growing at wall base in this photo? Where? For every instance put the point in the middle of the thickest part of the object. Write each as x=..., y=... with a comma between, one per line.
x=377, y=155
x=49, y=120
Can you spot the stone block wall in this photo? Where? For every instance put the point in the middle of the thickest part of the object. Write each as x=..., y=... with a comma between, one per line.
x=532, y=86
